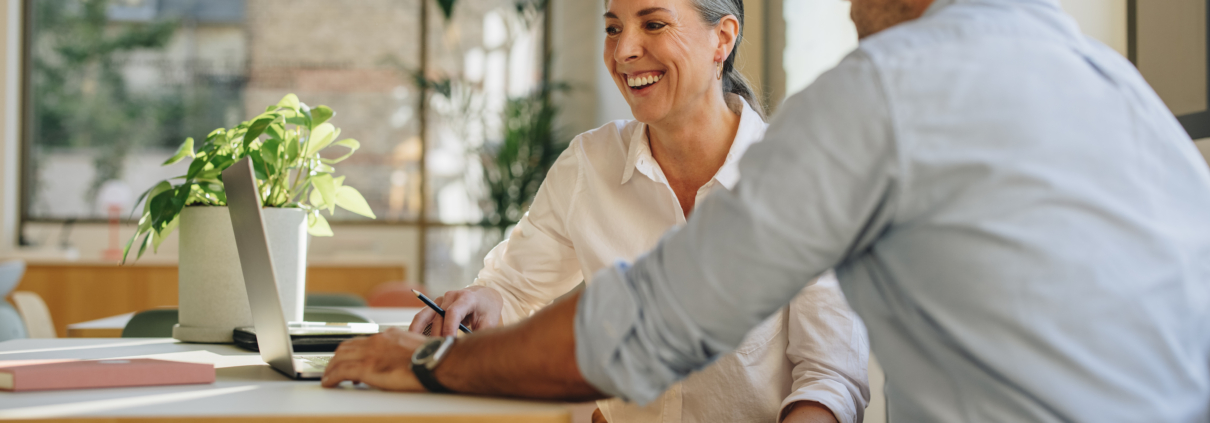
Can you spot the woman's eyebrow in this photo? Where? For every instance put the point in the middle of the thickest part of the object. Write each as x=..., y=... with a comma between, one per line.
x=643, y=12
x=651, y=10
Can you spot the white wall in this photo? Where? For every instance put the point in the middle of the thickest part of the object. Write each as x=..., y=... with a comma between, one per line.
x=10, y=17
x=819, y=34
x=1104, y=20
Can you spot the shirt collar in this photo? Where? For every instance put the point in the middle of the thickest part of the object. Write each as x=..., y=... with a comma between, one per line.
x=940, y=4
x=751, y=129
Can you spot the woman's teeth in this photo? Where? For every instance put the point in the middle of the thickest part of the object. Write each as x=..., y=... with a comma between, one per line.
x=643, y=80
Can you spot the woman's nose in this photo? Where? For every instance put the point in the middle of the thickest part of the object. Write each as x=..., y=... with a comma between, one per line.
x=628, y=49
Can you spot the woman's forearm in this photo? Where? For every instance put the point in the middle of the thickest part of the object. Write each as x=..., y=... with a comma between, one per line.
x=541, y=362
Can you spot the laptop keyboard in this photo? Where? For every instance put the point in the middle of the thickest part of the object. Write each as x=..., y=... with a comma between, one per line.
x=317, y=361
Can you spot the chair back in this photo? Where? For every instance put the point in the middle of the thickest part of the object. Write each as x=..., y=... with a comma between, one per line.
x=11, y=324
x=154, y=323
x=11, y=272
x=33, y=311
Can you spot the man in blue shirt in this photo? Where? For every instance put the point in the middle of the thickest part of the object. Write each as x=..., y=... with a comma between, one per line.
x=1021, y=223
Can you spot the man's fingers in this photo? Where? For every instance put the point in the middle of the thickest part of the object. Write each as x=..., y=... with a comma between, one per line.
x=422, y=320
x=455, y=314
x=436, y=325
x=340, y=371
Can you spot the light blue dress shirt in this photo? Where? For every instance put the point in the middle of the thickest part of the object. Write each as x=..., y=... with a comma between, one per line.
x=1022, y=224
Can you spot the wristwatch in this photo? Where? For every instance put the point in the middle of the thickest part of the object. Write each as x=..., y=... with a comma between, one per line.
x=425, y=361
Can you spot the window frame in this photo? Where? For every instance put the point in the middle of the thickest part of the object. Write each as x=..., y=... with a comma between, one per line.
x=421, y=222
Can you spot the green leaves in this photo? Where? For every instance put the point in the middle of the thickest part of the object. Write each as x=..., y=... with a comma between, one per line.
x=290, y=101
x=349, y=143
x=185, y=150
x=284, y=144
x=258, y=126
x=327, y=190
x=317, y=225
x=350, y=199
x=320, y=114
x=321, y=136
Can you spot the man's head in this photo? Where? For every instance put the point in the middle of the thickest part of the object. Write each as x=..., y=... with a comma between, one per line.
x=872, y=16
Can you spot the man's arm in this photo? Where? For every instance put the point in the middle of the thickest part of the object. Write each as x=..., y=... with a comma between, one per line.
x=533, y=359
x=818, y=190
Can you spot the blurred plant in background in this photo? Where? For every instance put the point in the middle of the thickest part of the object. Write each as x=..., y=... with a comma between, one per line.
x=83, y=100
x=78, y=54
x=515, y=164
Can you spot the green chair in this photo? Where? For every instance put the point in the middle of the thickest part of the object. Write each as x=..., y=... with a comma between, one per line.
x=154, y=323
x=158, y=323
x=334, y=299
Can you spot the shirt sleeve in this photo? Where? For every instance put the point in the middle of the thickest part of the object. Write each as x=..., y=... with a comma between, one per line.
x=829, y=350
x=817, y=191
x=537, y=263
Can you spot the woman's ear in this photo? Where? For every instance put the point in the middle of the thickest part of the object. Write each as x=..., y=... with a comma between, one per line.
x=727, y=31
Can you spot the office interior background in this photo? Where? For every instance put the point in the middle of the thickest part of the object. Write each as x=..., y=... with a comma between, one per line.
x=95, y=95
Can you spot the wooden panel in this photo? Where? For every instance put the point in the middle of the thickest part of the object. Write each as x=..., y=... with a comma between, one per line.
x=353, y=280
x=79, y=293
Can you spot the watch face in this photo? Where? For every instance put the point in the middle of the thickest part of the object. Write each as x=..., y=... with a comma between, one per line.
x=427, y=350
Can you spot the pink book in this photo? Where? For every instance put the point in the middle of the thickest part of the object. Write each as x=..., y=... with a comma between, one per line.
x=44, y=375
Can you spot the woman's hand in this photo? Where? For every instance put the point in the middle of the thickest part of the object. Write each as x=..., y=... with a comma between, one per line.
x=477, y=307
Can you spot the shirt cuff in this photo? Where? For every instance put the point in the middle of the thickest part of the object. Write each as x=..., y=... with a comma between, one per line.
x=610, y=352
x=838, y=404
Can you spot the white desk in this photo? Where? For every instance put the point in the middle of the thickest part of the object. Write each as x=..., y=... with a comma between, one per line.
x=246, y=390
x=111, y=327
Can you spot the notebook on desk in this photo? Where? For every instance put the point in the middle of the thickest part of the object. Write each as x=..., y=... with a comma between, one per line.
x=48, y=375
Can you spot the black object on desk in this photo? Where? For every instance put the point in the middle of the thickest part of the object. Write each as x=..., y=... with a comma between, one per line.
x=309, y=336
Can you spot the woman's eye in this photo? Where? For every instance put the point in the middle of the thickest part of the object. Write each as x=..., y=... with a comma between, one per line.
x=612, y=30
x=652, y=26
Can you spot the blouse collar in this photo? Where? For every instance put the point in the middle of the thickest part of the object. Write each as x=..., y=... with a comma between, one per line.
x=751, y=129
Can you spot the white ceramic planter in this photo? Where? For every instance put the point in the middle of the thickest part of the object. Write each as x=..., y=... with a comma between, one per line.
x=213, y=300
x=287, y=230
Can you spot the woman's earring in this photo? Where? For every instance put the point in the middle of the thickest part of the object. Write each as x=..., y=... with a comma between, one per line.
x=719, y=75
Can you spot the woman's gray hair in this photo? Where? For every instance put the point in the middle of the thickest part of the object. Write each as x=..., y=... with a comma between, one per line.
x=713, y=11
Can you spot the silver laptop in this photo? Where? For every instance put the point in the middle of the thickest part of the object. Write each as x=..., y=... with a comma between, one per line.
x=272, y=333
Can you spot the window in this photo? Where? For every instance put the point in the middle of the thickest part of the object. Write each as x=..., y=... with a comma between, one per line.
x=113, y=87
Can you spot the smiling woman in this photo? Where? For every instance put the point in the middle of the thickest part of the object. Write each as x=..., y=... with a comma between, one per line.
x=616, y=190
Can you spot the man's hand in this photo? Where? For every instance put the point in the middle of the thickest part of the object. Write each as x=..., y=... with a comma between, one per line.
x=383, y=361
x=478, y=307
x=535, y=358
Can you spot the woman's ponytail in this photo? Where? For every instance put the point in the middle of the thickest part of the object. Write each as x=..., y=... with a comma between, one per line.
x=713, y=11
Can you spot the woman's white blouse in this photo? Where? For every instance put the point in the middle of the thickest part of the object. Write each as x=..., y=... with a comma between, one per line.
x=606, y=199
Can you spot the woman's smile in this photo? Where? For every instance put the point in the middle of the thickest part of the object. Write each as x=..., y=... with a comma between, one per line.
x=642, y=82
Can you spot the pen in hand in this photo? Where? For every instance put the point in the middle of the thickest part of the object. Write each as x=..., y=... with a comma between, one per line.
x=437, y=309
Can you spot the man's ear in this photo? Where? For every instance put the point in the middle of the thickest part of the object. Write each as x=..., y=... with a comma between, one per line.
x=727, y=31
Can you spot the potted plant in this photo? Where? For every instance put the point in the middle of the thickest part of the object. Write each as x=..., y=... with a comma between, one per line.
x=285, y=144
